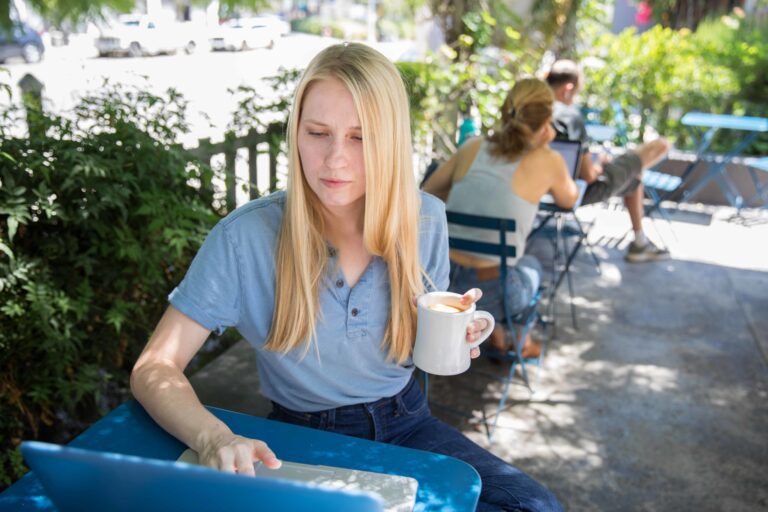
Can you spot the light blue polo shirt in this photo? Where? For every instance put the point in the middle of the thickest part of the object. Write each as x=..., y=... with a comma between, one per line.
x=231, y=283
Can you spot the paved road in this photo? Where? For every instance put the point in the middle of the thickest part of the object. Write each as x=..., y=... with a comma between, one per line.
x=204, y=78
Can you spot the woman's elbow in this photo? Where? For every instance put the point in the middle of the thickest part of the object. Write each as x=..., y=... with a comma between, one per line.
x=144, y=373
x=569, y=204
x=137, y=380
x=568, y=201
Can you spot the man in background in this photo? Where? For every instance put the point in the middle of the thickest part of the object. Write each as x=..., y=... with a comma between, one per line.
x=620, y=177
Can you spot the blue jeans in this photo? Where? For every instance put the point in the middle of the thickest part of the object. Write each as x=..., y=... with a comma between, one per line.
x=405, y=420
x=522, y=282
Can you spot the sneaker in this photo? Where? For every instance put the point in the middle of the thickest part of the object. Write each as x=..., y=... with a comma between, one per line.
x=648, y=252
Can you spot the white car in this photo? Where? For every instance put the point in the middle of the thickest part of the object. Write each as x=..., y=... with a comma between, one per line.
x=138, y=35
x=247, y=33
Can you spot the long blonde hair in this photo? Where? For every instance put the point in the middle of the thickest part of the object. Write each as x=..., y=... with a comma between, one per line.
x=526, y=108
x=391, y=224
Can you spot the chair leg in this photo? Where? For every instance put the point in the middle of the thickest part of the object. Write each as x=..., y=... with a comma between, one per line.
x=502, y=403
x=557, y=268
x=656, y=198
x=568, y=274
x=761, y=190
x=591, y=251
x=518, y=340
x=583, y=234
x=573, y=305
x=519, y=335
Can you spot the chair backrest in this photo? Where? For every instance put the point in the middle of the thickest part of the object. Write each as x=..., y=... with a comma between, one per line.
x=503, y=226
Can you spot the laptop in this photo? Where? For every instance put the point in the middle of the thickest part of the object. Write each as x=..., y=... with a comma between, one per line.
x=77, y=479
x=397, y=492
x=570, y=150
x=571, y=153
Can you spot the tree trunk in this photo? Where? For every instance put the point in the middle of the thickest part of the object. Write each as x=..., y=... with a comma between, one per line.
x=565, y=45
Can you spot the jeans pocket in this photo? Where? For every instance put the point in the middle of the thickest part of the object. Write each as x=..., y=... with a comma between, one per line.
x=411, y=400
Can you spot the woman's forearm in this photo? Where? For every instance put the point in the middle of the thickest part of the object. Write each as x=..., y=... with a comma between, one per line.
x=168, y=397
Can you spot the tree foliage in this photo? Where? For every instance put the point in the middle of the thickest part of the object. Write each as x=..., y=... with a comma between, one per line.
x=720, y=68
x=58, y=12
x=99, y=219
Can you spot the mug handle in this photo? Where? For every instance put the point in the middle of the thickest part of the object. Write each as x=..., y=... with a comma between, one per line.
x=485, y=332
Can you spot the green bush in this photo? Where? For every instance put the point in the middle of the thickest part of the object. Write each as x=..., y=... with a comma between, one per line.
x=653, y=75
x=660, y=74
x=740, y=45
x=314, y=25
x=100, y=216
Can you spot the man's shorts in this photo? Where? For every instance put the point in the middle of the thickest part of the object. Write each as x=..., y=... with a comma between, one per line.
x=620, y=177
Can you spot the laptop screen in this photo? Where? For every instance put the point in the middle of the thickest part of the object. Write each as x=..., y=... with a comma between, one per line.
x=570, y=151
x=76, y=479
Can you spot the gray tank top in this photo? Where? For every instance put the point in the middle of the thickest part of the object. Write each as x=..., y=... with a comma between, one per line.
x=486, y=189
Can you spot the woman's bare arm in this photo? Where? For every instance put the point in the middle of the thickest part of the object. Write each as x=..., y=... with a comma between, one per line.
x=562, y=186
x=441, y=181
x=159, y=384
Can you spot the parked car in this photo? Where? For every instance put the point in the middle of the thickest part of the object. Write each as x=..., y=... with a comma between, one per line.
x=138, y=35
x=247, y=33
x=21, y=41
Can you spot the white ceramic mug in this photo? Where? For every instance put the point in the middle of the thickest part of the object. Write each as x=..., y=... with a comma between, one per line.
x=441, y=335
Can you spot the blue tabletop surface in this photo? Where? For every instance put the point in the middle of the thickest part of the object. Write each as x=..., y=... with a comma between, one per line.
x=752, y=124
x=445, y=483
x=600, y=132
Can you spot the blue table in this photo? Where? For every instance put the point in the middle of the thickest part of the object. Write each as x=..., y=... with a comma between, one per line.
x=717, y=164
x=445, y=483
x=600, y=132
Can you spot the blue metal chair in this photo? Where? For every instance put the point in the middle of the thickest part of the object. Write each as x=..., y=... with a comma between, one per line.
x=761, y=188
x=518, y=325
x=564, y=255
x=657, y=186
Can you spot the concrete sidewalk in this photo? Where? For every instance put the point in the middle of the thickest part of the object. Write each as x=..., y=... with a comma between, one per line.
x=659, y=401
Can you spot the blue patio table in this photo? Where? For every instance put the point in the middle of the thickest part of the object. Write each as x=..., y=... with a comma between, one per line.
x=445, y=483
x=717, y=164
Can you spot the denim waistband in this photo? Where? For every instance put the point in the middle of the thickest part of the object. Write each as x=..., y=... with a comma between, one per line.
x=385, y=419
x=381, y=403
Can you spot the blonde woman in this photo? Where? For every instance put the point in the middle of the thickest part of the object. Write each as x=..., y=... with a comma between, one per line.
x=505, y=175
x=320, y=280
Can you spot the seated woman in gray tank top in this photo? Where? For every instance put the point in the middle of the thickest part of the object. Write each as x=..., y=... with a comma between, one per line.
x=505, y=175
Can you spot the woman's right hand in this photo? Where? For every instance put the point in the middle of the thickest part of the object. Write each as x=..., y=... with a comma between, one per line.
x=237, y=454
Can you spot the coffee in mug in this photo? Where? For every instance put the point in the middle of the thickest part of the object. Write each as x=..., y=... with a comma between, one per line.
x=441, y=346
x=444, y=308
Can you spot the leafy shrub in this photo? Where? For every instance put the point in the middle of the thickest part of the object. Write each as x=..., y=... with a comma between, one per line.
x=99, y=218
x=740, y=45
x=654, y=74
x=660, y=74
x=314, y=25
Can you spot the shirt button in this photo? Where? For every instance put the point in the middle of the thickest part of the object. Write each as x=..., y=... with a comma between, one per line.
x=339, y=283
x=354, y=311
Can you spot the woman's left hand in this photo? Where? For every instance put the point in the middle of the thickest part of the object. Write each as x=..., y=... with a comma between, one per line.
x=475, y=327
